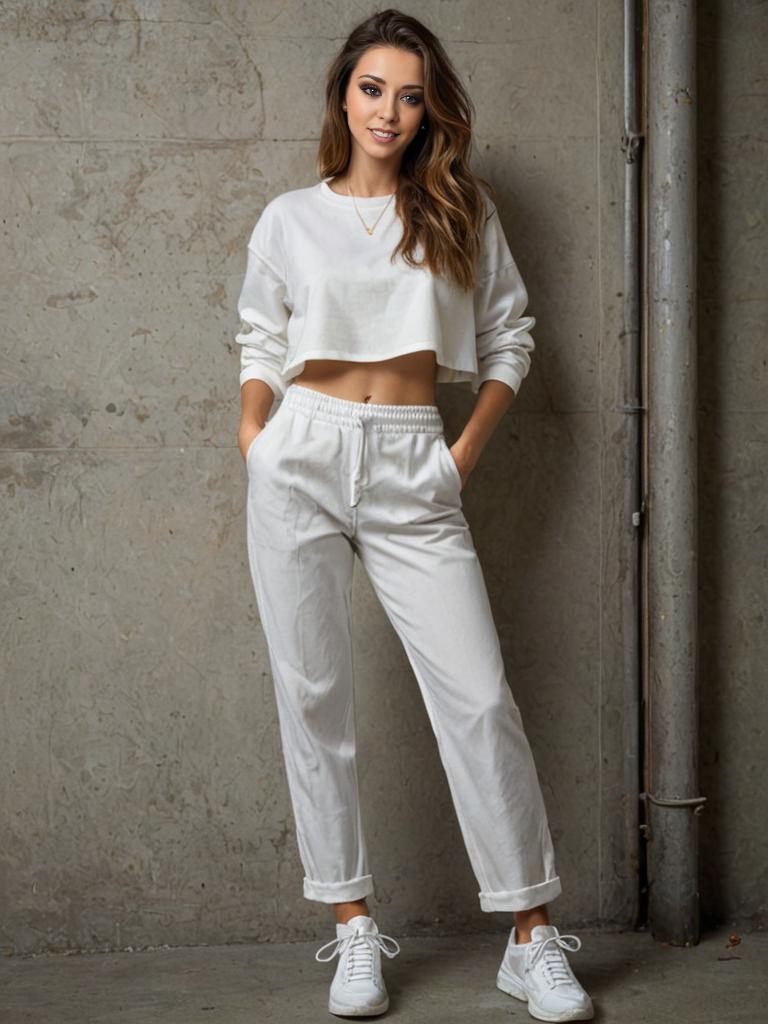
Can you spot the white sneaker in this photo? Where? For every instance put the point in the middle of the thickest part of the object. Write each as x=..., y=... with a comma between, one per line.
x=358, y=987
x=539, y=973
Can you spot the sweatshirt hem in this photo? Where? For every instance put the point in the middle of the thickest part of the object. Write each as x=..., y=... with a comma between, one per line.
x=297, y=365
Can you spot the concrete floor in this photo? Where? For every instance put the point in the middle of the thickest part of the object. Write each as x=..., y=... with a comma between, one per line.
x=629, y=976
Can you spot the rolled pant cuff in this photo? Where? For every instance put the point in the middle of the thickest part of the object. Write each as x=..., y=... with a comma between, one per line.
x=522, y=899
x=339, y=892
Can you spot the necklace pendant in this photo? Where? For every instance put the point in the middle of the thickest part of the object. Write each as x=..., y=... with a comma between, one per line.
x=360, y=217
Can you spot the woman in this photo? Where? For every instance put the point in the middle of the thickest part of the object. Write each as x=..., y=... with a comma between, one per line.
x=361, y=292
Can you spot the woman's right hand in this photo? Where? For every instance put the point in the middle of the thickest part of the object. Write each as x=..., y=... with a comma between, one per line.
x=247, y=432
x=256, y=398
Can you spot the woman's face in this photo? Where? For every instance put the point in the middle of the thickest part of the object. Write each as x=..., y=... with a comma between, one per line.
x=385, y=91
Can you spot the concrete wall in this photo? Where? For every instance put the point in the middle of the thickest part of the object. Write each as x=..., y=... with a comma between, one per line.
x=733, y=435
x=144, y=798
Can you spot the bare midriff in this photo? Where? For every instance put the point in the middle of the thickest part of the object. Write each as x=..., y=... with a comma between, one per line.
x=403, y=380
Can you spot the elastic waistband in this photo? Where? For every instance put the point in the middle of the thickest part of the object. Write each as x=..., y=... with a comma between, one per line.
x=377, y=416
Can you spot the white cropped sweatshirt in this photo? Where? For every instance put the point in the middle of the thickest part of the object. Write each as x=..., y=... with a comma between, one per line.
x=318, y=286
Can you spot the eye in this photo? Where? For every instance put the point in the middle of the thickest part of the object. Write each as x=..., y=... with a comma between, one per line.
x=412, y=99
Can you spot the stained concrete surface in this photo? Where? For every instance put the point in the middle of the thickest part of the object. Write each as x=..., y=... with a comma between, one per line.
x=144, y=800
x=629, y=975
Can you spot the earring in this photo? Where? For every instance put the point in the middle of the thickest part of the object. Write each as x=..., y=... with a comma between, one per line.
x=423, y=125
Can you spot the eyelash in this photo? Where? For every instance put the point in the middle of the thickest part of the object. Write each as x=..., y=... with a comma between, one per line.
x=416, y=98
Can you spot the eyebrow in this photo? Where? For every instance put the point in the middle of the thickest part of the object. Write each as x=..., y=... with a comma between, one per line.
x=383, y=82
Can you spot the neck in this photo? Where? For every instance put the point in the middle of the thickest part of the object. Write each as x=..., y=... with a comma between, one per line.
x=365, y=186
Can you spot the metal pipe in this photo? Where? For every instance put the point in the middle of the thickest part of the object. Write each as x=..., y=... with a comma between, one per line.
x=631, y=144
x=672, y=803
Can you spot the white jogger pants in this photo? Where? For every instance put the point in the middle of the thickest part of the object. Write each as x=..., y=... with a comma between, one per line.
x=329, y=478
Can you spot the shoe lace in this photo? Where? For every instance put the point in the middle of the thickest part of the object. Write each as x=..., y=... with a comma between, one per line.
x=361, y=946
x=554, y=962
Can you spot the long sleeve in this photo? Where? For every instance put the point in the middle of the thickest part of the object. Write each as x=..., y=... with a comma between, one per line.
x=262, y=308
x=503, y=339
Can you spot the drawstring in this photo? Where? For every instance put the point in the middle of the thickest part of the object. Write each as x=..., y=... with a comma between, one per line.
x=357, y=472
x=361, y=417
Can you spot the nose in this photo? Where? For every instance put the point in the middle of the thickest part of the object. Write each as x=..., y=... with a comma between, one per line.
x=388, y=110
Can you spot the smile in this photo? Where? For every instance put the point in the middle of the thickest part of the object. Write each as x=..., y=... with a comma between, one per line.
x=382, y=135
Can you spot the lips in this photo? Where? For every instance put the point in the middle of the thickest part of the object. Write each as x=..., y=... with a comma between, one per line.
x=383, y=134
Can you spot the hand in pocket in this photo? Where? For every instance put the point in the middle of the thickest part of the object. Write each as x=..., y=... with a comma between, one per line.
x=246, y=435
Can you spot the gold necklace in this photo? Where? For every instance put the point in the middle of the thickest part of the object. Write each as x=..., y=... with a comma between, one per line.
x=371, y=229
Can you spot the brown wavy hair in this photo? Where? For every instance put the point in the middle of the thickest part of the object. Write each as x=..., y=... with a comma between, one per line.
x=438, y=199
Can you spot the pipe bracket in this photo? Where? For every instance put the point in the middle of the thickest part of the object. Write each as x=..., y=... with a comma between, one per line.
x=697, y=802
x=630, y=145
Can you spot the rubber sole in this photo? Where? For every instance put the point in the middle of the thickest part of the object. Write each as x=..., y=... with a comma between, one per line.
x=512, y=987
x=358, y=1011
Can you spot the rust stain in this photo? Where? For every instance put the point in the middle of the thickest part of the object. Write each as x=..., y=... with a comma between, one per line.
x=71, y=299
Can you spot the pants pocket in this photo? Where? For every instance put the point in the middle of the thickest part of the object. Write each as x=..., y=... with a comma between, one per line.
x=271, y=500
x=258, y=440
x=452, y=467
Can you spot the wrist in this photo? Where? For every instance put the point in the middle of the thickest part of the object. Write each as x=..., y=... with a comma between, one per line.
x=469, y=448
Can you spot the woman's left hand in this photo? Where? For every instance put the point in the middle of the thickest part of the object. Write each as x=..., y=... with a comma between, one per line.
x=465, y=463
x=493, y=401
